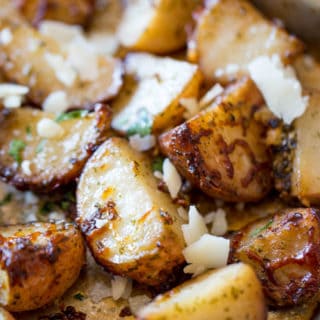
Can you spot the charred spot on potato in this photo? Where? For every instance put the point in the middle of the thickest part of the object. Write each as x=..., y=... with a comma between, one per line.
x=69, y=313
x=222, y=149
x=284, y=251
x=30, y=161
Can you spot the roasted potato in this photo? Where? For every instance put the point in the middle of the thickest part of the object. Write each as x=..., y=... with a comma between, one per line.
x=304, y=311
x=308, y=72
x=131, y=227
x=305, y=172
x=40, y=63
x=156, y=26
x=166, y=81
x=38, y=263
x=5, y=315
x=71, y=11
x=231, y=33
x=38, y=156
x=284, y=251
x=233, y=292
x=221, y=150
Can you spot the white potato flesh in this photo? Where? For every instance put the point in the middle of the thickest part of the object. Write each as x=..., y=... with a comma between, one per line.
x=156, y=26
x=233, y=292
x=230, y=34
x=154, y=87
x=306, y=171
x=5, y=315
x=131, y=227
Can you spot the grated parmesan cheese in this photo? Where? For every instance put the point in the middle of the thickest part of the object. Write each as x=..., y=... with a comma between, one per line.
x=25, y=167
x=63, y=70
x=120, y=287
x=171, y=178
x=142, y=143
x=219, y=223
x=191, y=106
x=210, y=95
x=47, y=128
x=56, y=102
x=195, y=228
x=279, y=86
x=12, y=102
x=5, y=36
x=10, y=89
x=209, y=252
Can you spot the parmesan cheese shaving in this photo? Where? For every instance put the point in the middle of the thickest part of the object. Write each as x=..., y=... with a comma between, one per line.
x=142, y=143
x=47, y=128
x=171, y=178
x=56, y=102
x=279, y=86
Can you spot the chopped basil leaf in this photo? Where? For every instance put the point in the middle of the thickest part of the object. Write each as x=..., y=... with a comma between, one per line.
x=259, y=230
x=6, y=199
x=41, y=145
x=79, y=296
x=15, y=149
x=142, y=125
x=71, y=115
x=157, y=164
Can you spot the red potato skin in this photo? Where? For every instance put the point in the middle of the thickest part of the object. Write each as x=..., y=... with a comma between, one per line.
x=284, y=250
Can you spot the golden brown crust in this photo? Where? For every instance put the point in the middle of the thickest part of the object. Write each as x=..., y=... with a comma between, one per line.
x=39, y=62
x=38, y=263
x=72, y=12
x=47, y=170
x=284, y=251
x=221, y=150
x=131, y=227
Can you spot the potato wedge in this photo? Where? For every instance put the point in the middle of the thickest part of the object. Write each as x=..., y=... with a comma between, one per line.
x=40, y=63
x=156, y=26
x=308, y=72
x=233, y=292
x=221, y=150
x=71, y=11
x=5, y=315
x=38, y=263
x=131, y=227
x=284, y=250
x=29, y=160
x=153, y=88
x=305, y=183
x=230, y=34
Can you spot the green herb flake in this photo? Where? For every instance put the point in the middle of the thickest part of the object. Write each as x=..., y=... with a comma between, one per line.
x=46, y=208
x=16, y=148
x=40, y=146
x=79, y=296
x=263, y=228
x=142, y=125
x=6, y=199
x=28, y=130
x=71, y=115
x=157, y=164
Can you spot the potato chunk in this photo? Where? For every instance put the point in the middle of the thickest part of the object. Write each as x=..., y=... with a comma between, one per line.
x=30, y=159
x=221, y=150
x=156, y=26
x=305, y=183
x=40, y=63
x=232, y=292
x=71, y=11
x=153, y=88
x=284, y=250
x=131, y=227
x=230, y=34
x=308, y=72
x=38, y=263
x=5, y=315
